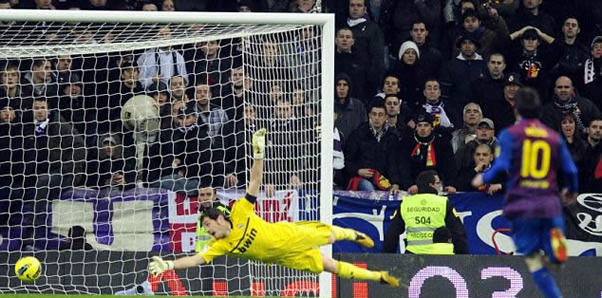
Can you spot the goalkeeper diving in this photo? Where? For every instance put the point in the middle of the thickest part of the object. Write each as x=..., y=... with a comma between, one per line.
x=294, y=245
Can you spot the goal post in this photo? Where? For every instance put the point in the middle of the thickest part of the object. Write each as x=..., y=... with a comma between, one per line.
x=305, y=50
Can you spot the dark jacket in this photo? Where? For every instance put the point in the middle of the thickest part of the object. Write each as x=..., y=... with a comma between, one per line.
x=551, y=115
x=444, y=156
x=452, y=223
x=542, y=21
x=286, y=138
x=100, y=170
x=397, y=17
x=489, y=94
x=351, y=113
x=455, y=81
x=364, y=151
x=369, y=46
x=58, y=150
x=238, y=151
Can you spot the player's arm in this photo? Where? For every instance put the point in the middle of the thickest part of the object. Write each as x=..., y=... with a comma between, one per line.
x=257, y=168
x=502, y=163
x=158, y=265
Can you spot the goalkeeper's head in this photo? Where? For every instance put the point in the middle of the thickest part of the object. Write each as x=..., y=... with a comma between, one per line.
x=216, y=221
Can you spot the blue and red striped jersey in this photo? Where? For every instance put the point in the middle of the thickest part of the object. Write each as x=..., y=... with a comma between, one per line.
x=533, y=155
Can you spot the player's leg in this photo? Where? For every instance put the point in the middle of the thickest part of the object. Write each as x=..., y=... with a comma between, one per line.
x=316, y=230
x=541, y=275
x=350, y=271
x=351, y=235
x=526, y=234
x=553, y=240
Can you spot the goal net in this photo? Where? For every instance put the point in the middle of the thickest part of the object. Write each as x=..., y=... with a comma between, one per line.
x=113, y=123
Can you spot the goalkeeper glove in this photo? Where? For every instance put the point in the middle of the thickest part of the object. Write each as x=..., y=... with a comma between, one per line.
x=158, y=266
x=259, y=144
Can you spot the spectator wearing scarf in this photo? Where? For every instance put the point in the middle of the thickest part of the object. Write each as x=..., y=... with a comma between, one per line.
x=566, y=101
x=428, y=150
x=592, y=75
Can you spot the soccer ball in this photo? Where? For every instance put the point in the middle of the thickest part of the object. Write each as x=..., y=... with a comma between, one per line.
x=28, y=269
x=141, y=114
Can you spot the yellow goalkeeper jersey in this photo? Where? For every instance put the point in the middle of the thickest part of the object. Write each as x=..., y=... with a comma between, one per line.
x=253, y=238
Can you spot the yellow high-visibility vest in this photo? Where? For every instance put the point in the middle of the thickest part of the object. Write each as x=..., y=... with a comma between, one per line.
x=423, y=214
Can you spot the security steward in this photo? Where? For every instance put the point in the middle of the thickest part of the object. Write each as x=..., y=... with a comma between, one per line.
x=424, y=216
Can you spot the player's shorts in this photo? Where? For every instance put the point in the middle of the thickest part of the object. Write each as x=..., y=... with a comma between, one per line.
x=304, y=253
x=532, y=234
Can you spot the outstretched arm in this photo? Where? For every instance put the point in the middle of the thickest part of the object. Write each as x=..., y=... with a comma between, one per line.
x=257, y=168
x=158, y=265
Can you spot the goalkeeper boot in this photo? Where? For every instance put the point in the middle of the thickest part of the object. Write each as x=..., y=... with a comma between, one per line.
x=143, y=289
x=363, y=240
x=386, y=278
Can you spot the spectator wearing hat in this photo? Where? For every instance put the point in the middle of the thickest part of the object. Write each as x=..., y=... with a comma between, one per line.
x=566, y=101
x=110, y=166
x=592, y=72
x=530, y=14
x=458, y=73
x=502, y=112
x=485, y=134
x=429, y=150
x=472, y=116
x=410, y=72
x=371, y=154
x=531, y=61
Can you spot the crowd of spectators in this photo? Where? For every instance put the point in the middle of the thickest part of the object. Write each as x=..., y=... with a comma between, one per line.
x=447, y=73
x=420, y=84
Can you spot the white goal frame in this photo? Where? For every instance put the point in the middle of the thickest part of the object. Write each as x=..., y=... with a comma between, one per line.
x=326, y=21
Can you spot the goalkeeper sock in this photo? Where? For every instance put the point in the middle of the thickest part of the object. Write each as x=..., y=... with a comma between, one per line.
x=545, y=282
x=343, y=233
x=350, y=271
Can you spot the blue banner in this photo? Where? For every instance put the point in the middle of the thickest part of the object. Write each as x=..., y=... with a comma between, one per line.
x=371, y=213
